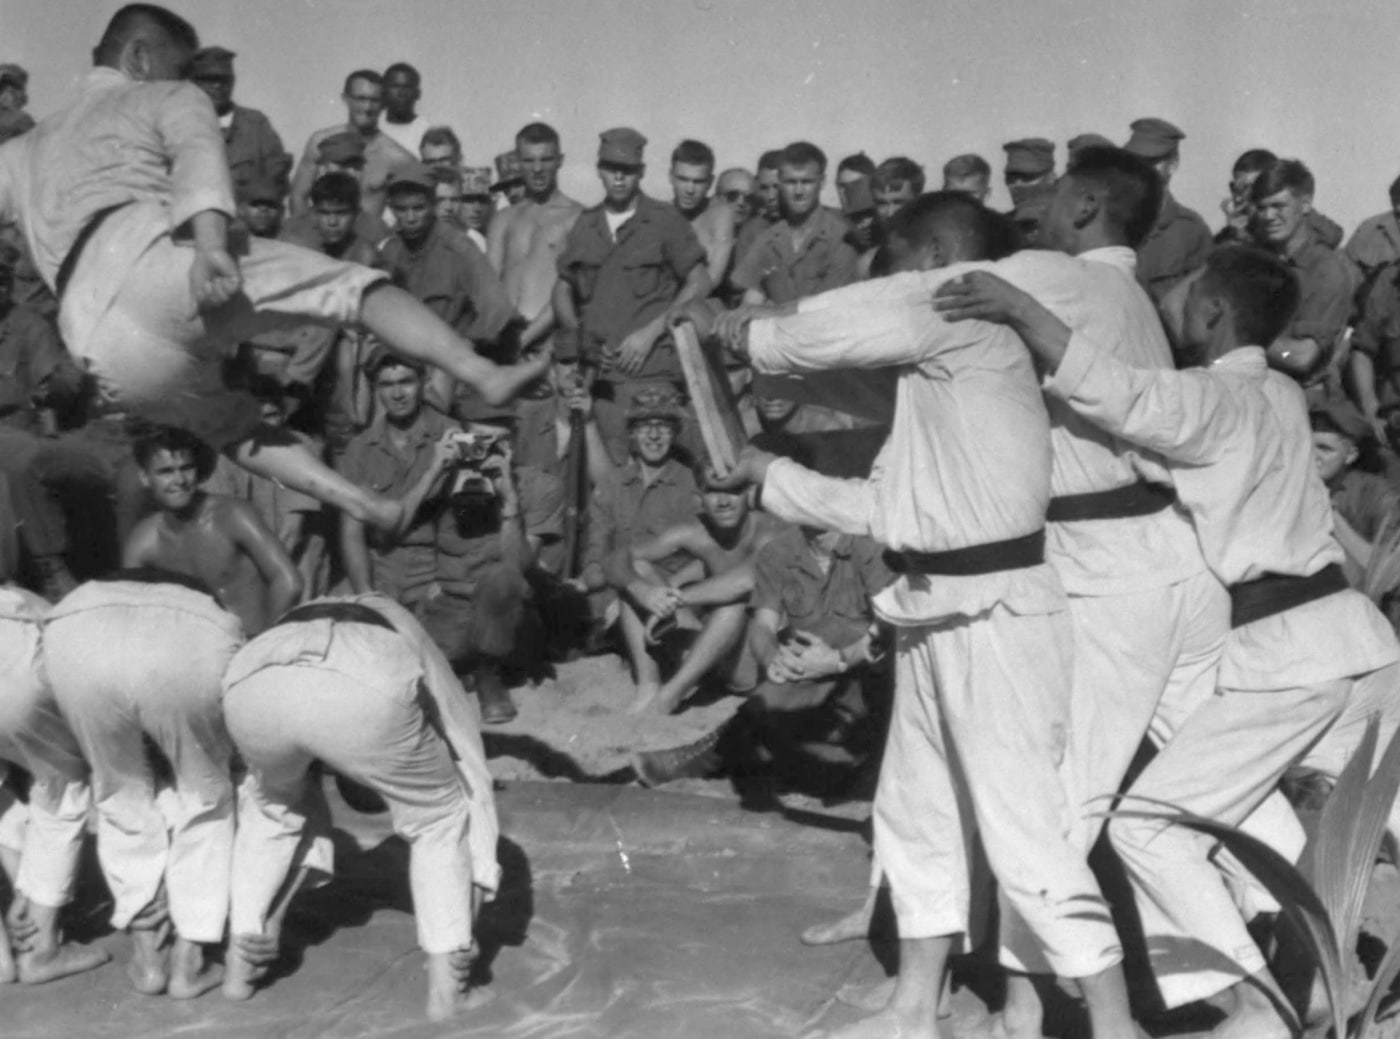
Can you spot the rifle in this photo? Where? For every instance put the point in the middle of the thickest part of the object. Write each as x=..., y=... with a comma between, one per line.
x=575, y=491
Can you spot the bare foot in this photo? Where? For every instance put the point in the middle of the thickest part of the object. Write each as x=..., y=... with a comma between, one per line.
x=444, y=987
x=149, y=969
x=43, y=965
x=848, y=928
x=871, y=997
x=645, y=700
x=888, y=1024
x=190, y=975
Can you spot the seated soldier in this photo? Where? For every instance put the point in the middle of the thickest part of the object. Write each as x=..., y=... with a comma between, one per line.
x=814, y=634
x=493, y=518
x=661, y=613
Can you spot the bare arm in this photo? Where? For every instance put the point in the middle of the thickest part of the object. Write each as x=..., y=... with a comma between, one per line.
x=354, y=554
x=566, y=319
x=626, y=569
x=496, y=240
x=273, y=563
x=734, y=585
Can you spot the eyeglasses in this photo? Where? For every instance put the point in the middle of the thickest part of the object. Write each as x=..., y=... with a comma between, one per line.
x=735, y=196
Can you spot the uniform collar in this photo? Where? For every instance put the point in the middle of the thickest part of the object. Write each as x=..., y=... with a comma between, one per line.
x=632, y=473
x=418, y=433
x=1115, y=255
x=1248, y=359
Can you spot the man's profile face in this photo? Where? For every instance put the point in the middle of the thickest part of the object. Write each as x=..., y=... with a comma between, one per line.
x=172, y=477
x=726, y=510
x=620, y=183
x=448, y=203
x=653, y=439
x=439, y=155
x=1332, y=452
x=800, y=188
x=889, y=198
x=219, y=87
x=1277, y=216
x=262, y=217
x=689, y=185
x=414, y=213
x=399, y=390
x=363, y=103
x=334, y=221
x=476, y=211
x=768, y=193
x=539, y=164
x=976, y=186
x=401, y=93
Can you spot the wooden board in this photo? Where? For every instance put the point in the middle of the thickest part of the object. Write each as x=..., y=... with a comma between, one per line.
x=721, y=428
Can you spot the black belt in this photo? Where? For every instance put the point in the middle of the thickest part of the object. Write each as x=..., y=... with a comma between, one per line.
x=1136, y=499
x=65, y=269
x=1273, y=593
x=344, y=612
x=1014, y=554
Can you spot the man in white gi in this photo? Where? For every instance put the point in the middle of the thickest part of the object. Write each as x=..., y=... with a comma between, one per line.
x=1307, y=661
x=142, y=656
x=34, y=736
x=982, y=703
x=356, y=683
x=124, y=200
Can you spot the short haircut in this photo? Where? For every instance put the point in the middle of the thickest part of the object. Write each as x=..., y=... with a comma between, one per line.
x=694, y=153
x=438, y=136
x=1283, y=175
x=857, y=163
x=965, y=167
x=135, y=19
x=1131, y=187
x=804, y=153
x=983, y=234
x=156, y=439
x=537, y=133
x=403, y=66
x=368, y=75
x=1256, y=160
x=1260, y=288
x=770, y=160
x=1395, y=191
x=899, y=170
x=446, y=175
x=336, y=188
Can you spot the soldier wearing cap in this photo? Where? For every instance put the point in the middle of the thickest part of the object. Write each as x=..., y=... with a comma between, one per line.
x=1180, y=240
x=1081, y=141
x=477, y=203
x=1347, y=452
x=342, y=152
x=1029, y=162
x=510, y=177
x=260, y=205
x=969, y=174
x=628, y=266
x=254, y=148
x=383, y=156
x=444, y=269
x=14, y=85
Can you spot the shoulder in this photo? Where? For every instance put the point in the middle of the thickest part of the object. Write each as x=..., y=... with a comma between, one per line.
x=251, y=117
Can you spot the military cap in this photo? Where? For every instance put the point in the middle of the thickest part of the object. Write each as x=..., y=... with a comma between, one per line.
x=508, y=171
x=1033, y=156
x=412, y=175
x=1153, y=138
x=345, y=146
x=654, y=402
x=856, y=196
x=9, y=257
x=12, y=75
x=1343, y=416
x=476, y=180
x=212, y=61
x=622, y=146
x=380, y=356
x=1088, y=140
x=260, y=188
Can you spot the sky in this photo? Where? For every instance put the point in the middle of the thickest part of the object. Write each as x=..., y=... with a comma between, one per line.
x=1311, y=79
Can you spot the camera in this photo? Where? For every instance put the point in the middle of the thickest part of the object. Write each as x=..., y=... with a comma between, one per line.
x=471, y=487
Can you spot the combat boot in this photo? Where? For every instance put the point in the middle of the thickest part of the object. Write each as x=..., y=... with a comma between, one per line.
x=699, y=760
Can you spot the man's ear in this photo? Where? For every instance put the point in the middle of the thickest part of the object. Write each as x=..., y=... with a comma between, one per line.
x=145, y=480
x=136, y=58
x=1087, y=206
x=931, y=256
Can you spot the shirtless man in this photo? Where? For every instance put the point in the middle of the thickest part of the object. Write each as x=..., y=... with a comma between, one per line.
x=723, y=541
x=151, y=201
x=692, y=173
x=219, y=541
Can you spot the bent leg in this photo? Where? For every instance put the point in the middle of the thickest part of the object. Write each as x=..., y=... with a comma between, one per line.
x=719, y=636
x=292, y=464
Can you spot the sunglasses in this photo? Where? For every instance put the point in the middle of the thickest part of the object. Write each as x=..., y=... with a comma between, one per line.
x=735, y=196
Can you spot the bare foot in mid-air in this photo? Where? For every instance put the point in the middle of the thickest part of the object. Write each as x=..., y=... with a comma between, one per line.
x=190, y=975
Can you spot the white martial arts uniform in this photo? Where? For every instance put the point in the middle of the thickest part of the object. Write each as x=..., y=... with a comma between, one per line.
x=34, y=735
x=1295, y=686
x=384, y=708
x=127, y=660
x=143, y=159
x=982, y=662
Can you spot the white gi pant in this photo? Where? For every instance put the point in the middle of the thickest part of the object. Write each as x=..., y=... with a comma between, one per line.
x=49, y=836
x=1226, y=759
x=155, y=353
x=349, y=695
x=125, y=660
x=976, y=744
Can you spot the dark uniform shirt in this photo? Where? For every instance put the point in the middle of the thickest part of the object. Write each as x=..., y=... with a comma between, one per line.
x=619, y=286
x=1177, y=245
x=32, y=362
x=1328, y=285
x=254, y=149
x=403, y=568
x=825, y=261
x=1377, y=332
x=625, y=510
x=1374, y=244
x=834, y=606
